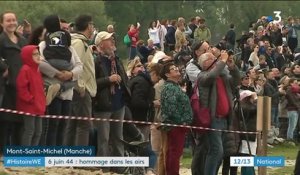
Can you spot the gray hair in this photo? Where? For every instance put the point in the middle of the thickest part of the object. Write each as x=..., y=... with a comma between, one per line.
x=203, y=58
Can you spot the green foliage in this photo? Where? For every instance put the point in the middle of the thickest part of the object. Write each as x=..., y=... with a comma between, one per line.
x=36, y=11
x=218, y=14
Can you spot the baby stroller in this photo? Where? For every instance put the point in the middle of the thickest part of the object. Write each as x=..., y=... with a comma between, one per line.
x=134, y=146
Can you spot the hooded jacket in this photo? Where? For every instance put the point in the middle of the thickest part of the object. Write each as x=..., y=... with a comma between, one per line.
x=57, y=40
x=87, y=79
x=30, y=89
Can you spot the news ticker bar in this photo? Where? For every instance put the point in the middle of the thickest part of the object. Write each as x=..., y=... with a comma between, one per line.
x=260, y=161
x=76, y=161
x=49, y=151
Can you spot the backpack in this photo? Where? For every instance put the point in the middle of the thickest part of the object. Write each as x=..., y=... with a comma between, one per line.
x=127, y=40
x=201, y=114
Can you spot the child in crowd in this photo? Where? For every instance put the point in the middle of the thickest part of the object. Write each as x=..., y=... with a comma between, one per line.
x=57, y=54
x=30, y=95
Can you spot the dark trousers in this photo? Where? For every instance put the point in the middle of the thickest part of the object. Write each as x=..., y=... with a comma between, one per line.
x=56, y=126
x=292, y=43
x=199, y=154
x=77, y=131
x=226, y=167
x=10, y=133
x=297, y=165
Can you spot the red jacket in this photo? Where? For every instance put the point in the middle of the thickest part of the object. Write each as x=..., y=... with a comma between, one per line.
x=30, y=88
x=134, y=36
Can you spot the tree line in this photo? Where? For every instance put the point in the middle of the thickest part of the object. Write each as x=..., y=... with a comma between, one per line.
x=218, y=14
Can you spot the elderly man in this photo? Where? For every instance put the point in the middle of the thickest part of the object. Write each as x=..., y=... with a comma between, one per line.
x=216, y=93
x=110, y=99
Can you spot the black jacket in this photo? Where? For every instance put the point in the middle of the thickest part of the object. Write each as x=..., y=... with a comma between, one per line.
x=103, y=100
x=271, y=90
x=249, y=112
x=10, y=52
x=170, y=36
x=230, y=37
x=3, y=67
x=142, y=95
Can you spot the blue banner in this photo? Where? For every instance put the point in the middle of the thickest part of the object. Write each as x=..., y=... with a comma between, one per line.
x=49, y=151
x=24, y=161
x=272, y=161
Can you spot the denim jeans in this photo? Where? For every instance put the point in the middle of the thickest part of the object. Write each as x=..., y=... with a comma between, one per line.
x=132, y=52
x=199, y=154
x=215, y=146
x=148, y=152
x=55, y=129
x=32, y=131
x=293, y=120
x=274, y=117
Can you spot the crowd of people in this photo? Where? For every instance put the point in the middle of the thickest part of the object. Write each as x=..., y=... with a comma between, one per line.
x=63, y=69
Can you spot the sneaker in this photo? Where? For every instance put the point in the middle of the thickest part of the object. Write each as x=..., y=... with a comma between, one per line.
x=52, y=92
x=290, y=142
x=281, y=140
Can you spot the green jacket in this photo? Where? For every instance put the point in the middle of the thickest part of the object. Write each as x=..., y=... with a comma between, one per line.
x=175, y=105
x=202, y=34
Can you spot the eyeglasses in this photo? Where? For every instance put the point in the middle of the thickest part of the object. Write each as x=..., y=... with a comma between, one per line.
x=174, y=68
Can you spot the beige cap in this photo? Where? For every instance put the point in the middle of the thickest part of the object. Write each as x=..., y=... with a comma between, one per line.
x=101, y=36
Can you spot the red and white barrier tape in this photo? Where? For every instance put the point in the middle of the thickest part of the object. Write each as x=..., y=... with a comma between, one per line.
x=115, y=120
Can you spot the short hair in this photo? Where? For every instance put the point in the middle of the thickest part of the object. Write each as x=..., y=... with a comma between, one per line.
x=290, y=18
x=62, y=20
x=261, y=57
x=267, y=73
x=173, y=22
x=195, y=46
x=82, y=22
x=166, y=69
x=293, y=68
x=202, y=58
x=155, y=67
x=110, y=26
x=231, y=26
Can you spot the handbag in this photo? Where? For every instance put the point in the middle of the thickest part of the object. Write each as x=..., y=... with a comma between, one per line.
x=201, y=114
x=127, y=40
